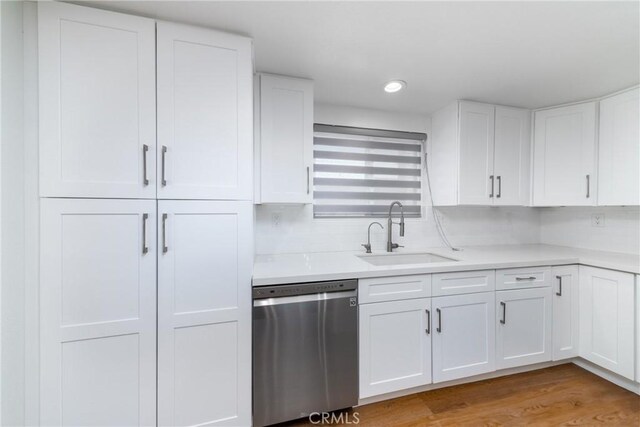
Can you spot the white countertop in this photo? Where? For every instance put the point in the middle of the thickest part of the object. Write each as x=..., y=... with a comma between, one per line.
x=311, y=267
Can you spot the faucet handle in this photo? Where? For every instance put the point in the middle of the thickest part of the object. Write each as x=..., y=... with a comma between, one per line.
x=367, y=246
x=395, y=246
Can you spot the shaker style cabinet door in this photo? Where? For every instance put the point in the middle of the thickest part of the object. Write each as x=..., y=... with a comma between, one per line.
x=476, y=185
x=619, y=150
x=566, y=315
x=512, y=156
x=98, y=312
x=464, y=335
x=97, y=103
x=564, y=156
x=204, y=313
x=523, y=327
x=395, y=346
x=285, y=145
x=607, y=319
x=205, y=114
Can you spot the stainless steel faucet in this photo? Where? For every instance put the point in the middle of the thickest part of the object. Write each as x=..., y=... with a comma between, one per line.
x=390, y=245
x=367, y=245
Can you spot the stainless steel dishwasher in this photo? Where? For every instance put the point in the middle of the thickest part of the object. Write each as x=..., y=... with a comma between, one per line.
x=305, y=350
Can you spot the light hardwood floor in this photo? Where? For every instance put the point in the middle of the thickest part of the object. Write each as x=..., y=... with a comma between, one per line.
x=563, y=395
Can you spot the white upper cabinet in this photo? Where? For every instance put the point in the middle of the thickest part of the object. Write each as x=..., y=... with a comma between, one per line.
x=564, y=156
x=511, y=164
x=619, y=150
x=607, y=319
x=205, y=114
x=475, y=185
x=284, y=140
x=479, y=155
x=97, y=103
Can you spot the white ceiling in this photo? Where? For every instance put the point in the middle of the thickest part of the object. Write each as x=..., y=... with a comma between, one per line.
x=526, y=54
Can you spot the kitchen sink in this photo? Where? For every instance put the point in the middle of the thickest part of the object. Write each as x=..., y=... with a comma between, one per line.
x=400, y=259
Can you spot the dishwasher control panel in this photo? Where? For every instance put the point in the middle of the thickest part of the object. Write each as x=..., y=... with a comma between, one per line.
x=278, y=291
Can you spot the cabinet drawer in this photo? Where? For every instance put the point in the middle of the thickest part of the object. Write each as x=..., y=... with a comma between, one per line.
x=465, y=282
x=518, y=278
x=394, y=288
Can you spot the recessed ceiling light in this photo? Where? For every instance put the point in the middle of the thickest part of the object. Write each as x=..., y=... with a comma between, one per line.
x=395, y=86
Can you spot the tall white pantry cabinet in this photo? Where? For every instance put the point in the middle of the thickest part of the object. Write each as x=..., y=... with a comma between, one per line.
x=146, y=240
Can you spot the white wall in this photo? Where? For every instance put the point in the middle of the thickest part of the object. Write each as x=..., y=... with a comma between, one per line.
x=12, y=215
x=571, y=226
x=292, y=229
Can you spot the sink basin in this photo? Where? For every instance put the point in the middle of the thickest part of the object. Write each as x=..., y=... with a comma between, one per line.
x=400, y=259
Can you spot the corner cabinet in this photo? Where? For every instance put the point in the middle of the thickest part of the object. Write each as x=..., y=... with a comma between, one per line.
x=479, y=155
x=283, y=140
x=564, y=156
x=205, y=114
x=619, y=150
x=607, y=319
x=97, y=103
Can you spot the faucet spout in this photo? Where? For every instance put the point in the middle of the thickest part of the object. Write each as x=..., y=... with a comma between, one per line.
x=390, y=245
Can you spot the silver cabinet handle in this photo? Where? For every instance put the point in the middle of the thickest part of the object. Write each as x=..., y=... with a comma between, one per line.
x=588, y=186
x=308, y=180
x=164, y=154
x=165, y=248
x=145, y=247
x=145, y=150
x=559, y=293
x=504, y=312
x=428, y=330
x=491, y=178
x=520, y=279
x=499, y=186
x=439, y=328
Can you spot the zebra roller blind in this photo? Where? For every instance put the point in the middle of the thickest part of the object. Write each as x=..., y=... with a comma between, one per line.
x=358, y=172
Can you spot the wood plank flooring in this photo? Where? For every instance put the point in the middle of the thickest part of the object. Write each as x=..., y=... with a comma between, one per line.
x=564, y=395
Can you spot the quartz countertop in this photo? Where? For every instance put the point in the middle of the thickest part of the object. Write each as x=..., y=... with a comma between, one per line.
x=311, y=267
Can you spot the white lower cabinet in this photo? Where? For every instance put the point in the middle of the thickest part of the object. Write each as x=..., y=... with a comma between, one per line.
x=566, y=314
x=395, y=345
x=523, y=327
x=204, y=313
x=607, y=319
x=98, y=312
x=463, y=335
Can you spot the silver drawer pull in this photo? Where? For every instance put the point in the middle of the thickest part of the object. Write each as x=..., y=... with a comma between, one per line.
x=504, y=313
x=165, y=248
x=559, y=293
x=428, y=330
x=588, y=186
x=164, y=155
x=145, y=247
x=145, y=150
x=491, y=178
x=439, y=328
x=520, y=279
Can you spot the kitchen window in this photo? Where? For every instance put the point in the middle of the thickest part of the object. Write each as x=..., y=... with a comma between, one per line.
x=358, y=172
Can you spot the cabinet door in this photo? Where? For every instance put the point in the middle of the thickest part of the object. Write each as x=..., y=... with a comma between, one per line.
x=98, y=312
x=395, y=346
x=564, y=156
x=512, y=156
x=566, y=329
x=205, y=114
x=607, y=319
x=476, y=185
x=285, y=145
x=463, y=336
x=619, y=150
x=204, y=313
x=523, y=327
x=97, y=103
